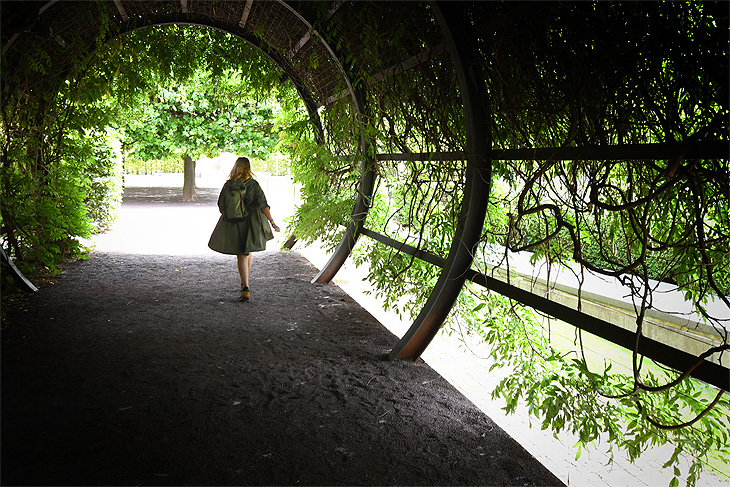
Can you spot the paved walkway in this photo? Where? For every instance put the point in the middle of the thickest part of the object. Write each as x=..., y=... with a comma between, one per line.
x=464, y=363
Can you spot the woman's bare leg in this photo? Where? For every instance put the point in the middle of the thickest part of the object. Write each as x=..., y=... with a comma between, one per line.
x=244, y=268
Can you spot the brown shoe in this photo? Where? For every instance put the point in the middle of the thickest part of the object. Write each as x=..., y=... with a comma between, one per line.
x=245, y=295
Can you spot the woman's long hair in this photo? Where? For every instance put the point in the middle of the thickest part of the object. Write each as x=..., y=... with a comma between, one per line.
x=241, y=170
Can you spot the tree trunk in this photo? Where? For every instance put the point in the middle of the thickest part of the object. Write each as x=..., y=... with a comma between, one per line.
x=189, y=181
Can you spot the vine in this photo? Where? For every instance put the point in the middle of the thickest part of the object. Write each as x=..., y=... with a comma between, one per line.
x=554, y=80
x=559, y=75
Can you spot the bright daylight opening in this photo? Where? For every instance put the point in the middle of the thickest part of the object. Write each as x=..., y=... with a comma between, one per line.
x=153, y=220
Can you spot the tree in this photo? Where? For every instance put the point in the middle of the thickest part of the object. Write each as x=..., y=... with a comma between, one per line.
x=576, y=74
x=196, y=117
x=220, y=99
x=57, y=163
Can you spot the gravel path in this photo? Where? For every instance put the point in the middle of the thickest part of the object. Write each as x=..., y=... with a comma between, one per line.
x=142, y=369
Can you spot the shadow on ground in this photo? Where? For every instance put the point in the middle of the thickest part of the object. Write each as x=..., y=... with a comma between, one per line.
x=136, y=369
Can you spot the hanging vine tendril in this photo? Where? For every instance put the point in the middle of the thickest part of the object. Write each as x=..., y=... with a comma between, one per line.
x=565, y=75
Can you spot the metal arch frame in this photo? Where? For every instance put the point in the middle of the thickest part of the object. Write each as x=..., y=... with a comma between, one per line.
x=699, y=366
x=367, y=180
x=477, y=188
x=20, y=279
x=237, y=31
x=184, y=17
x=368, y=176
x=357, y=223
x=476, y=193
x=303, y=18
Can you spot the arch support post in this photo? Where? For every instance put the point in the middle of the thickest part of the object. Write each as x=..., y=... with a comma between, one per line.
x=360, y=209
x=454, y=25
x=20, y=279
x=359, y=213
x=367, y=180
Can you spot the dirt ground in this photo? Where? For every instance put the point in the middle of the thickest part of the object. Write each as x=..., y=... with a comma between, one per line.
x=134, y=369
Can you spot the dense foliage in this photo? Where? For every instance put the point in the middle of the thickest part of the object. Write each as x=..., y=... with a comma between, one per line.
x=208, y=111
x=568, y=76
x=58, y=170
x=139, y=97
x=557, y=75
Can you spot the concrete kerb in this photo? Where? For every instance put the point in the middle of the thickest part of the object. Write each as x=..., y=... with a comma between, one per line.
x=678, y=327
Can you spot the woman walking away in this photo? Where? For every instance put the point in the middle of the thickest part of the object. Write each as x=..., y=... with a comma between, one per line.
x=241, y=228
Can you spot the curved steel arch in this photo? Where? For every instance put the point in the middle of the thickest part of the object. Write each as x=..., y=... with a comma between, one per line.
x=181, y=15
x=478, y=169
x=474, y=205
x=367, y=179
x=306, y=19
x=239, y=32
x=451, y=19
x=177, y=13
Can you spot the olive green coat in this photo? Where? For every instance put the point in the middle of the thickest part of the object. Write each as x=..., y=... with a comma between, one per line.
x=249, y=235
